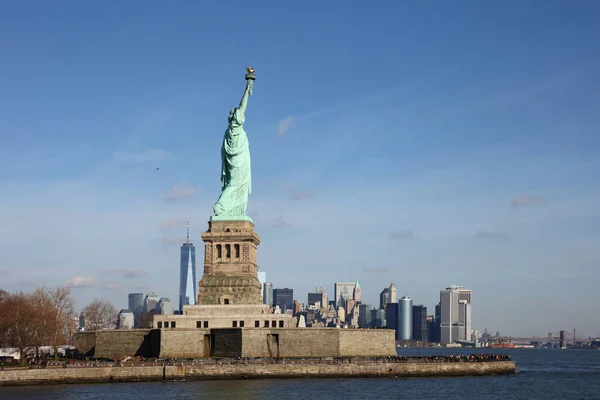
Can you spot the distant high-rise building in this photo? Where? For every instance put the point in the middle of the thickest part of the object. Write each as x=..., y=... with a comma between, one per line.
x=378, y=318
x=357, y=296
x=187, y=273
x=314, y=298
x=151, y=303
x=166, y=307
x=343, y=291
x=384, y=298
x=364, y=316
x=405, y=308
x=455, y=321
x=262, y=278
x=393, y=297
x=438, y=324
x=125, y=319
x=136, y=306
x=81, y=326
x=419, y=323
x=284, y=298
x=298, y=307
x=391, y=318
x=268, y=293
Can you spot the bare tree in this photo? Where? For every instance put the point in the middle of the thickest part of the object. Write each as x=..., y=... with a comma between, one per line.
x=17, y=322
x=61, y=319
x=100, y=314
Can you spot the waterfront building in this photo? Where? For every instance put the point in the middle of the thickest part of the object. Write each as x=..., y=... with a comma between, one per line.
x=187, y=273
x=419, y=323
x=405, y=319
x=455, y=318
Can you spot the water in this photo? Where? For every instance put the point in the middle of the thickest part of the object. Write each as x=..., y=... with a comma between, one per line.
x=544, y=374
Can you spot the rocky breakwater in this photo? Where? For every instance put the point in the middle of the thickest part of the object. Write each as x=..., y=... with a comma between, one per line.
x=167, y=370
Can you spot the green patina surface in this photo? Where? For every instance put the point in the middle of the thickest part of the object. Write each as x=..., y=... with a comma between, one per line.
x=236, y=177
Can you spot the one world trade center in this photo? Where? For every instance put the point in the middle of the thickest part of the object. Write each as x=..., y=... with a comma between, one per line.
x=187, y=274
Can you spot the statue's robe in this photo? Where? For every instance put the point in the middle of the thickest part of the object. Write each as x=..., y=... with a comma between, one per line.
x=235, y=169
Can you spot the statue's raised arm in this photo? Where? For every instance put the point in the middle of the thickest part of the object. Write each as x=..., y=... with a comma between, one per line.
x=250, y=77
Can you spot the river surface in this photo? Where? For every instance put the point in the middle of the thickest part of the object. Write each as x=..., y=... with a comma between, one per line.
x=543, y=374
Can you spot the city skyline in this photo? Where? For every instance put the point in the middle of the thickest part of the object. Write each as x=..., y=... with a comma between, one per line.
x=391, y=142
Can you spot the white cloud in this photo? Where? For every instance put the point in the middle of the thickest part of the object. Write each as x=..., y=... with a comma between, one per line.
x=130, y=272
x=172, y=223
x=286, y=124
x=112, y=286
x=522, y=201
x=179, y=192
x=401, y=235
x=80, y=281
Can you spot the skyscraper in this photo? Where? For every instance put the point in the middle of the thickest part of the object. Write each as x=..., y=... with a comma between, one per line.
x=268, y=293
x=343, y=291
x=151, y=303
x=357, y=296
x=393, y=297
x=284, y=298
x=166, y=307
x=419, y=323
x=262, y=278
x=384, y=298
x=136, y=306
x=405, y=319
x=455, y=302
x=364, y=316
x=187, y=273
x=391, y=318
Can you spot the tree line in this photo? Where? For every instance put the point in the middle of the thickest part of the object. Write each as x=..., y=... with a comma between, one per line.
x=46, y=317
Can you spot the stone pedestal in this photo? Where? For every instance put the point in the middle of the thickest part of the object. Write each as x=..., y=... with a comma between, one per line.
x=230, y=269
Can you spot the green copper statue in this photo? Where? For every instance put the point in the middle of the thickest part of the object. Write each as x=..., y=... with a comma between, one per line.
x=236, y=180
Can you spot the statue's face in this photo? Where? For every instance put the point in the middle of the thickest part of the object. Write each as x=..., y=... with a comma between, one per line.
x=231, y=114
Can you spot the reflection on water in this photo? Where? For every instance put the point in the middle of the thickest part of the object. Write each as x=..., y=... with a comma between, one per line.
x=544, y=374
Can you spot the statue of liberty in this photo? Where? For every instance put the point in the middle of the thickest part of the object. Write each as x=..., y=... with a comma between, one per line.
x=236, y=180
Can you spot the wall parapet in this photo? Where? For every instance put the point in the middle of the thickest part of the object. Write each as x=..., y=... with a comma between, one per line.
x=261, y=370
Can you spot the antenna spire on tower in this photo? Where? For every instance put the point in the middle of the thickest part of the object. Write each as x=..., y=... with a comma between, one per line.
x=188, y=231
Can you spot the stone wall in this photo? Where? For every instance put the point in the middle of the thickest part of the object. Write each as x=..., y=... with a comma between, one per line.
x=226, y=343
x=256, y=371
x=119, y=343
x=186, y=343
x=236, y=342
x=366, y=342
x=317, y=342
x=85, y=343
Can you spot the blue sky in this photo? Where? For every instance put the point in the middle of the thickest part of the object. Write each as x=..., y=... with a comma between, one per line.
x=421, y=143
